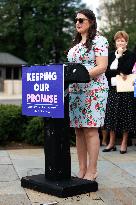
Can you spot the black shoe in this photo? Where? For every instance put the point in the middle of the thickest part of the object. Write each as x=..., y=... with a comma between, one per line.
x=123, y=151
x=110, y=149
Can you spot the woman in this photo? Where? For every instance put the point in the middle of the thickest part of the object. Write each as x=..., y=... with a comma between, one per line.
x=120, y=106
x=88, y=100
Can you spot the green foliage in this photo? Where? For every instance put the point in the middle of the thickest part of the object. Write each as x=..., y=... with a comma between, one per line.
x=18, y=128
x=118, y=15
x=38, y=31
x=34, y=133
x=12, y=123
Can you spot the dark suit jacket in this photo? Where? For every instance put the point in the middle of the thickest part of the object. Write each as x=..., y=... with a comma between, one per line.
x=125, y=64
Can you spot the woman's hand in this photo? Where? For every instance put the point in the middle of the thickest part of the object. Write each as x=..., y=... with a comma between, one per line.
x=120, y=51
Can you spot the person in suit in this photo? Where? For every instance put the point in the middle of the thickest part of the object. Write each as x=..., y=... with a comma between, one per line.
x=120, y=117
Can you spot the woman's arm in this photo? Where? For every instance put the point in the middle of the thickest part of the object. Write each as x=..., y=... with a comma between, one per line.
x=102, y=63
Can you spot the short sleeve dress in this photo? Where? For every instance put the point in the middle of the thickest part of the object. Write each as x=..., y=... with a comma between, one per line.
x=87, y=101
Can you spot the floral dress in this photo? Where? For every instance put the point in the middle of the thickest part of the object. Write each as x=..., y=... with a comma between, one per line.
x=87, y=101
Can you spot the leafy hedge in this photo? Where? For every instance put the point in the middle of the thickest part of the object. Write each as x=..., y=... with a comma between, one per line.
x=16, y=127
x=35, y=131
x=12, y=123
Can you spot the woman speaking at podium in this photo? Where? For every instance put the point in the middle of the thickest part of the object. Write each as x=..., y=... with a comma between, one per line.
x=88, y=100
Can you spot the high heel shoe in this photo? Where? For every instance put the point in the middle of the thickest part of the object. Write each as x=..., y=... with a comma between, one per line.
x=109, y=149
x=123, y=151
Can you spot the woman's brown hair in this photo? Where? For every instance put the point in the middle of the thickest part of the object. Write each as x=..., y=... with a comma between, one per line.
x=121, y=34
x=92, y=30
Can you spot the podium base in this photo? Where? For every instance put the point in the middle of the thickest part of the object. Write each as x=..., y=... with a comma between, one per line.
x=61, y=188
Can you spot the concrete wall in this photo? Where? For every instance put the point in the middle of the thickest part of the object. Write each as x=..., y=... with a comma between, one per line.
x=12, y=87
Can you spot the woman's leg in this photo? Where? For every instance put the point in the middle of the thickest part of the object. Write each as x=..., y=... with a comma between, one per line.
x=104, y=136
x=112, y=140
x=81, y=151
x=124, y=142
x=93, y=145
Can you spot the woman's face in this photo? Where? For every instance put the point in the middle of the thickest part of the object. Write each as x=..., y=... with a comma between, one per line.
x=82, y=23
x=121, y=43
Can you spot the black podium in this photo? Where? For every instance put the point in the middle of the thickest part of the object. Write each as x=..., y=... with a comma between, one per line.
x=57, y=179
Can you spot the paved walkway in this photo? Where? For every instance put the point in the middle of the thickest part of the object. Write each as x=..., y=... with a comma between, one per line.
x=117, y=179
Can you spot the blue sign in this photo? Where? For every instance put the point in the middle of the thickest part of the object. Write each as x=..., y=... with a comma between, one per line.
x=135, y=88
x=43, y=91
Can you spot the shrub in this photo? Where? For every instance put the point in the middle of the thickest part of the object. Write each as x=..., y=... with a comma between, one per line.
x=34, y=133
x=16, y=127
x=12, y=123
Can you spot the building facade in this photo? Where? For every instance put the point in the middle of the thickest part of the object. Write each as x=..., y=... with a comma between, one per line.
x=10, y=74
